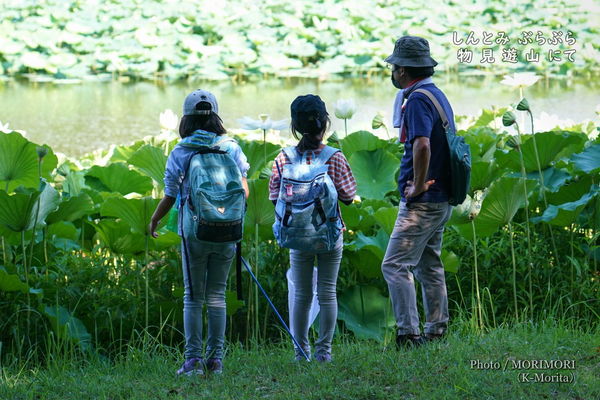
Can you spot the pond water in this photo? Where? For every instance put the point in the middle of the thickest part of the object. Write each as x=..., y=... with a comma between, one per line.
x=81, y=118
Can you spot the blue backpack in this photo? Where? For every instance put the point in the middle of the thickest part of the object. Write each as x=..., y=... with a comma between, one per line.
x=216, y=200
x=307, y=215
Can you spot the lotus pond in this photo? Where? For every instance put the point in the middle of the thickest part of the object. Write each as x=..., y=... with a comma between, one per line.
x=78, y=119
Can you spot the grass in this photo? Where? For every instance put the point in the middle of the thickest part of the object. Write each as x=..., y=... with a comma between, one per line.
x=361, y=370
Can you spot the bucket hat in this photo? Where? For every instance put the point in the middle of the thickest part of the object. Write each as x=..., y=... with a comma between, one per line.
x=411, y=51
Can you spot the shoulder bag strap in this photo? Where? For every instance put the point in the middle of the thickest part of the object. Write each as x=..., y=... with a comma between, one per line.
x=437, y=105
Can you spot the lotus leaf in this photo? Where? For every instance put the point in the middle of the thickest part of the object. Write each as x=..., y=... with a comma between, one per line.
x=260, y=210
x=374, y=172
x=365, y=312
x=151, y=161
x=118, y=178
x=72, y=209
x=588, y=160
x=362, y=140
x=68, y=327
x=565, y=214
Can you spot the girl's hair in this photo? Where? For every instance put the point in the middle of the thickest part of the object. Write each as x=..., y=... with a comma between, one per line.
x=309, y=128
x=207, y=122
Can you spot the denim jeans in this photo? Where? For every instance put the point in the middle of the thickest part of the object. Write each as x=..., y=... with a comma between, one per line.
x=328, y=265
x=414, y=248
x=209, y=267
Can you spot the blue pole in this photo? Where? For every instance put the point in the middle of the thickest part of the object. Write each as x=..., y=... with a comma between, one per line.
x=274, y=309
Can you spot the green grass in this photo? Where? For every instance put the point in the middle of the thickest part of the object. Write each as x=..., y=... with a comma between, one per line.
x=361, y=370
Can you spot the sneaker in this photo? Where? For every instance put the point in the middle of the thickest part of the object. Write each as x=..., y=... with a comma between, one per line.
x=408, y=341
x=214, y=365
x=432, y=337
x=193, y=366
x=323, y=358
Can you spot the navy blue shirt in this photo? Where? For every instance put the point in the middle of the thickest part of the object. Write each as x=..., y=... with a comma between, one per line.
x=422, y=119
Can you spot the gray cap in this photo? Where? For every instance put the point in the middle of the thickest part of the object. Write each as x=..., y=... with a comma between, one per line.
x=411, y=51
x=197, y=96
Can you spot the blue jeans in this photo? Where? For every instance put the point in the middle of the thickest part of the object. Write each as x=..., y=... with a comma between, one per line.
x=414, y=248
x=209, y=267
x=328, y=265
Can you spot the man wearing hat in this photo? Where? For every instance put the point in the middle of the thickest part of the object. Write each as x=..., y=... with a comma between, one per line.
x=415, y=244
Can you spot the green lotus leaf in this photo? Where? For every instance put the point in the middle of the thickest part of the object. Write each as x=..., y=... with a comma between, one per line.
x=125, y=152
x=255, y=152
x=463, y=213
x=386, y=218
x=47, y=202
x=362, y=140
x=164, y=241
x=351, y=215
x=66, y=326
x=365, y=312
x=63, y=230
x=119, y=178
x=554, y=178
x=565, y=214
x=260, y=210
x=11, y=283
x=375, y=244
x=500, y=204
x=374, y=172
x=483, y=174
x=365, y=262
x=232, y=303
x=18, y=211
x=572, y=191
x=587, y=161
x=18, y=162
x=117, y=236
x=135, y=212
x=151, y=161
x=450, y=260
x=488, y=116
x=74, y=183
x=549, y=145
x=72, y=209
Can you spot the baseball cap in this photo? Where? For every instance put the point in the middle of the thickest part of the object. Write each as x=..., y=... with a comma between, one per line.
x=197, y=96
x=308, y=104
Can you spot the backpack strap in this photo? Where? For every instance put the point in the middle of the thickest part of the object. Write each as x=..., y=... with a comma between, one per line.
x=438, y=107
x=327, y=153
x=291, y=154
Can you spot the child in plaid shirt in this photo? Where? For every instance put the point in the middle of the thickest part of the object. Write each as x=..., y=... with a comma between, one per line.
x=310, y=121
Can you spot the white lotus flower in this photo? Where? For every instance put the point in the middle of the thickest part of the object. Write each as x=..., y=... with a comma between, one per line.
x=548, y=122
x=344, y=108
x=4, y=128
x=264, y=122
x=520, y=79
x=168, y=120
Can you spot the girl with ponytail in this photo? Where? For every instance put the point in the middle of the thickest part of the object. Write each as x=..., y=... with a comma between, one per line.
x=310, y=121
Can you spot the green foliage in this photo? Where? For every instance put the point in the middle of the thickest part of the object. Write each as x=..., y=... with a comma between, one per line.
x=365, y=312
x=118, y=178
x=151, y=161
x=374, y=172
x=19, y=162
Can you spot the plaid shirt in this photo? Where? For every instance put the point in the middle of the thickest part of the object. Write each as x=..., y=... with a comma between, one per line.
x=339, y=171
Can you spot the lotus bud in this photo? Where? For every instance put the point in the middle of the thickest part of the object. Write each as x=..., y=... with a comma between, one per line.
x=523, y=105
x=508, y=118
x=377, y=121
x=41, y=151
x=345, y=108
